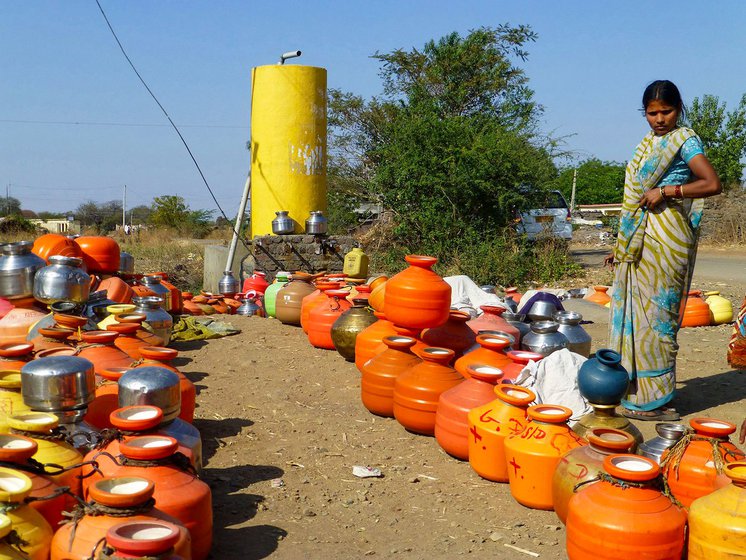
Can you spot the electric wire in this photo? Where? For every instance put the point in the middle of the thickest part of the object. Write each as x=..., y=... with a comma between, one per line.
x=173, y=125
x=94, y=123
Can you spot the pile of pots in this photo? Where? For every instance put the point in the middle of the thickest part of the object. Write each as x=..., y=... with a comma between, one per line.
x=87, y=276
x=440, y=373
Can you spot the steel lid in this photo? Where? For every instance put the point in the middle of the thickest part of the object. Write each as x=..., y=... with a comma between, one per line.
x=151, y=385
x=58, y=383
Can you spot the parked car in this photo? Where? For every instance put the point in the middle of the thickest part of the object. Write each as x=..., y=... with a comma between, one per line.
x=552, y=219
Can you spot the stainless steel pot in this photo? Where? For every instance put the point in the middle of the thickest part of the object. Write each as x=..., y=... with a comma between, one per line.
x=249, y=307
x=153, y=283
x=157, y=319
x=283, y=224
x=569, y=325
x=58, y=383
x=544, y=338
x=18, y=266
x=668, y=435
x=317, y=224
x=62, y=280
x=517, y=320
x=541, y=311
x=228, y=284
x=151, y=385
x=126, y=263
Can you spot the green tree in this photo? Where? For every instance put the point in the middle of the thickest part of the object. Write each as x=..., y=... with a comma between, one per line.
x=173, y=212
x=723, y=134
x=9, y=206
x=103, y=216
x=598, y=182
x=449, y=143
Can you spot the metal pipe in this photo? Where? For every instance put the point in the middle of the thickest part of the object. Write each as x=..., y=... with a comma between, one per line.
x=239, y=223
x=289, y=54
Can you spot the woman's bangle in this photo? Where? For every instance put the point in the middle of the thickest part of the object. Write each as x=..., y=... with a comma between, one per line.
x=682, y=191
x=662, y=190
x=677, y=191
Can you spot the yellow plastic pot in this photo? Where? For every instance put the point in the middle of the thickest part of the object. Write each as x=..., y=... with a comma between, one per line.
x=11, y=400
x=24, y=520
x=721, y=310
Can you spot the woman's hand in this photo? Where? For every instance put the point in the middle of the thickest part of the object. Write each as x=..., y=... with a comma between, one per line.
x=742, y=435
x=651, y=198
x=609, y=260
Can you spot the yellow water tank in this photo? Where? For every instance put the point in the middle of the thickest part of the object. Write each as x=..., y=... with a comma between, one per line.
x=288, y=144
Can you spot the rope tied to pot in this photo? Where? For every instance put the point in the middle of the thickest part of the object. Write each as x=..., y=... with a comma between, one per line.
x=720, y=454
x=658, y=483
x=95, y=509
x=61, y=491
x=14, y=540
x=108, y=553
x=108, y=435
x=178, y=460
x=54, y=434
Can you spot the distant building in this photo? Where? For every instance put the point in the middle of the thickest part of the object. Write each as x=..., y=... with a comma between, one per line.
x=63, y=226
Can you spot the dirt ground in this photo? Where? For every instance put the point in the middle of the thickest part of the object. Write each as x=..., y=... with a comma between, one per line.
x=283, y=425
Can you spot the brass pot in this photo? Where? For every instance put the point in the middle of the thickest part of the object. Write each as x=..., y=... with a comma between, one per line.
x=605, y=416
x=350, y=324
x=289, y=299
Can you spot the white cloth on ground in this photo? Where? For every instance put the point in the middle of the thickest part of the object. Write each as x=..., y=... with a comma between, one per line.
x=467, y=296
x=555, y=381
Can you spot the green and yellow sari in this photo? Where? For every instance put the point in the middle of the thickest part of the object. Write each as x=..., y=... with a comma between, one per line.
x=654, y=256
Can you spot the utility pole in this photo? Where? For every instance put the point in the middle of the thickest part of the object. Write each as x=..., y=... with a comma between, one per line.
x=7, y=199
x=124, y=208
x=572, y=197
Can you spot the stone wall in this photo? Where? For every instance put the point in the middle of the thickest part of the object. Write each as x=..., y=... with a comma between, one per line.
x=309, y=253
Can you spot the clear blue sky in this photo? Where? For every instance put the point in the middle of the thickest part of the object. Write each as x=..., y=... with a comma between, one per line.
x=59, y=63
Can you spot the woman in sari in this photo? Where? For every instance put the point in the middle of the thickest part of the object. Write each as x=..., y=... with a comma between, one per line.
x=665, y=183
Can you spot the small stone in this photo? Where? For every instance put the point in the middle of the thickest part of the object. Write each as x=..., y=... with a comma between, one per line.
x=495, y=537
x=553, y=527
x=518, y=525
x=414, y=479
x=308, y=512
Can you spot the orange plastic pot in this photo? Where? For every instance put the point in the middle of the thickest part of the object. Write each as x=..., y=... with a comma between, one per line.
x=625, y=516
x=491, y=320
x=696, y=475
x=534, y=454
x=317, y=297
x=491, y=423
x=100, y=253
x=98, y=347
x=75, y=541
x=582, y=464
x=52, y=337
x=377, y=297
x=128, y=341
x=191, y=308
x=519, y=359
x=161, y=357
x=451, y=418
x=177, y=300
x=696, y=311
x=107, y=397
x=599, y=295
x=368, y=342
x=381, y=371
x=116, y=289
x=322, y=318
x=55, y=244
x=454, y=334
x=143, y=539
x=417, y=297
x=177, y=491
x=129, y=422
x=143, y=334
x=491, y=352
x=14, y=326
x=142, y=291
x=14, y=355
x=15, y=452
x=513, y=292
x=418, y=389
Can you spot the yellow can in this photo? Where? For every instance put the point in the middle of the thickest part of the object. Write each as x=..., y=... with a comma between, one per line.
x=8, y=551
x=28, y=523
x=721, y=310
x=717, y=521
x=356, y=264
x=11, y=400
x=55, y=451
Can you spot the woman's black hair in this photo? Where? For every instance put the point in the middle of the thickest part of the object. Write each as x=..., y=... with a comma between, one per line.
x=665, y=91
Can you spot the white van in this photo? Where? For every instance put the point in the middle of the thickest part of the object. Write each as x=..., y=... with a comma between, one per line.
x=553, y=219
